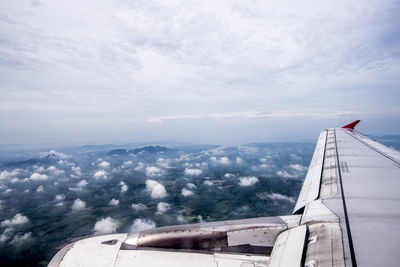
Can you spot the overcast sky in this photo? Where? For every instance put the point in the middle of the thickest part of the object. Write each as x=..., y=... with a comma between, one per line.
x=212, y=71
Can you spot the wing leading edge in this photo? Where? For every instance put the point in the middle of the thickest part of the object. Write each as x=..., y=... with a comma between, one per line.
x=346, y=215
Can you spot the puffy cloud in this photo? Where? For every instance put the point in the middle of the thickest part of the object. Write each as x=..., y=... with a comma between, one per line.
x=229, y=175
x=78, y=205
x=285, y=174
x=106, y=226
x=191, y=186
x=156, y=189
x=294, y=156
x=298, y=167
x=21, y=238
x=181, y=219
x=193, y=172
x=277, y=196
x=6, y=234
x=39, y=169
x=79, y=185
x=82, y=183
x=39, y=177
x=9, y=190
x=55, y=171
x=248, y=181
x=113, y=202
x=16, y=220
x=55, y=153
x=224, y=161
x=239, y=160
x=163, y=163
x=60, y=197
x=186, y=192
x=162, y=207
x=124, y=187
x=127, y=164
x=141, y=225
x=140, y=166
x=153, y=171
x=101, y=174
x=139, y=207
x=208, y=182
x=76, y=170
x=40, y=188
x=104, y=164
x=6, y=174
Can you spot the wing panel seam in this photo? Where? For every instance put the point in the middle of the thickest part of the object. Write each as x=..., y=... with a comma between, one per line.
x=374, y=148
x=346, y=217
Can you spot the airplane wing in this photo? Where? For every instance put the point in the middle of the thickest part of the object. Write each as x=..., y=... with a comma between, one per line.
x=347, y=214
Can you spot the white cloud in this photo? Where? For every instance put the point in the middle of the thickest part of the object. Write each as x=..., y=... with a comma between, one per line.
x=6, y=234
x=56, y=153
x=40, y=188
x=39, y=169
x=101, y=174
x=153, y=171
x=113, y=202
x=285, y=174
x=181, y=219
x=298, y=167
x=8, y=190
x=124, y=187
x=139, y=207
x=140, y=166
x=239, y=160
x=20, y=238
x=16, y=220
x=79, y=185
x=126, y=164
x=294, y=156
x=78, y=205
x=82, y=183
x=60, y=197
x=104, y=164
x=191, y=186
x=55, y=171
x=248, y=181
x=39, y=177
x=106, y=226
x=224, y=161
x=6, y=174
x=229, y=175
x=77, y=170
x=277, y=196
x=163, y=163
x=141, y=225
x=186, y=192
x=162, y=207
x=193, y=172
x=236, y=51
x=156, y=189
x=208, y=182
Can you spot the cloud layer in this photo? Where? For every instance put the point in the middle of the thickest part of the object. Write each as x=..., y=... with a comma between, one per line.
x=267, y=65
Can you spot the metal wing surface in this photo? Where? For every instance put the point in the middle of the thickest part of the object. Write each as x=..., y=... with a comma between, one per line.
x=347, y=214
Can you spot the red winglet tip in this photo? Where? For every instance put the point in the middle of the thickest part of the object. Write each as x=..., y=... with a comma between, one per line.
x=351, y=125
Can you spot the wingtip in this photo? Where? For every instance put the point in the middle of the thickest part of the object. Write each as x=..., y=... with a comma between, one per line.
x=351, y=125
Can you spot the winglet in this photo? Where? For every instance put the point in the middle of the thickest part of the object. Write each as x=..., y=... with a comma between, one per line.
x=351, y=125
